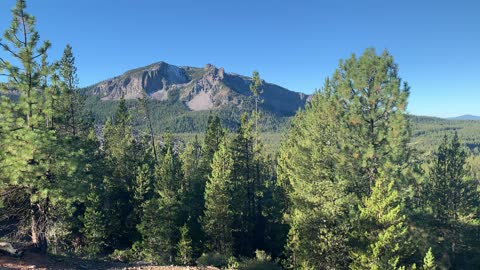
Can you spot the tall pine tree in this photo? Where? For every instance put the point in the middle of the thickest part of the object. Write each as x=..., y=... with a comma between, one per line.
x=453, y=200
x=33, y=160
x=218, y=219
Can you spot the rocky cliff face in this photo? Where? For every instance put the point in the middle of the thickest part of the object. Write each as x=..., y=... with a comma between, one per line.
x=199, y=89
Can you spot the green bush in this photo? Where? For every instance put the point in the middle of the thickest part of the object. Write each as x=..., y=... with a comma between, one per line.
x=254, y=264
x=124, y=256
x=263, y=261
x=213, y=259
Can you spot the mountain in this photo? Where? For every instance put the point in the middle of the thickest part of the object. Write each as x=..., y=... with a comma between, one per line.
x=199, y=89
x=465, y=117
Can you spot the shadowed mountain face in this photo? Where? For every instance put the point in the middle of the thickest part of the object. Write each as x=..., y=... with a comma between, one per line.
x=200, y=89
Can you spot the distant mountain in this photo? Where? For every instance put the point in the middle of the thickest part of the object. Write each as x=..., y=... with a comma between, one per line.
x=199, y=89
x=465, y=117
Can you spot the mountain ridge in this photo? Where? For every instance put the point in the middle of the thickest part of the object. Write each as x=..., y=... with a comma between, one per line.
x=465, y=117
x=200, y=89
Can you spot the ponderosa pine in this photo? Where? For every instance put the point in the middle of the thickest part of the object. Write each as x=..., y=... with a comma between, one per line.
x=453, y=199
x=218, y=220
x=31, y=159
x=352, y=135
x=319, y=204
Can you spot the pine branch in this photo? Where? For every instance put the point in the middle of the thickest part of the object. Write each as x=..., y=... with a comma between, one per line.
x=5, y=47
x=15, y=36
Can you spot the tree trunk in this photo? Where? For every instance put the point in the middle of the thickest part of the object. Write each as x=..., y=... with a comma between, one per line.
x=38, y=226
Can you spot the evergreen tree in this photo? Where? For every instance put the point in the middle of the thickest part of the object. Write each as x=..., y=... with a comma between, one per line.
x=218, y=219
x=256, y=90
x=122, y=156
x=213, y=136
x=259, y=168
x=453, y=198
x=168, y=188
x=95, y=223
x=371, y=102
x=310, y=170
x=153, y=244
x=273, y=206
x=143, y=188
x=70, y=101
x=353, y=135
x=451, y=193
x=32, y=160
x=243, y=193
x=184, y=247
x=159, y=227
x=385, y=230
x=193, y=187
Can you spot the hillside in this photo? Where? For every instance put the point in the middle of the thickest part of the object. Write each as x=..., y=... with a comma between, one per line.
x=428, y=132
x=199, y=89
x=180, y=98
x=466, y=117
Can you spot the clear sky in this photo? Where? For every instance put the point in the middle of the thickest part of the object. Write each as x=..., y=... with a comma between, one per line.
x=293, y=43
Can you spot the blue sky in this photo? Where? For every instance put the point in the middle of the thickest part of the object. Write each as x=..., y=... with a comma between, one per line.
x=293, y=43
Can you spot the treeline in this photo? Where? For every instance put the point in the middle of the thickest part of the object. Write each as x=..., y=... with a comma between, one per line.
x=346, y=190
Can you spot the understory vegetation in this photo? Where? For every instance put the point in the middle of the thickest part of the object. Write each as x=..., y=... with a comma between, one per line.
x=353, y=182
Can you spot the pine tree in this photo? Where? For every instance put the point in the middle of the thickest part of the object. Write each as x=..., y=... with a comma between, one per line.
x=449, y=188
x=213, y=136
x=256, y=90
x=452, y=196
x=31, y=161
x=259, y=175
x=218, y=219
x=273, y=202
x=95, y=223
x=385, y=230
x=161, y=215
x=244, y=197
x=354, y=134
x=122, y=155
x=310, y=170
x=184, y=247
x=169, y=191
x=70, y=101
x=193, y=187
x=371, y=102
x=143, y=189
x=152, y=229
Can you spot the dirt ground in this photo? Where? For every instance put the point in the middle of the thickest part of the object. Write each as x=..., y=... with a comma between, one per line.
x=37, y=261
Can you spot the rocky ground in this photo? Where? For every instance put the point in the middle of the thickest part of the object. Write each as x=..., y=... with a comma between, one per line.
x=36, y=261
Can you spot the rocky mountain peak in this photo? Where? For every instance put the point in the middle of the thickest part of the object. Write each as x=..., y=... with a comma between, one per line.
x=198, y=88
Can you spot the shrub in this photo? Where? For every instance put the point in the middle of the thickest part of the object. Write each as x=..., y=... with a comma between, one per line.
x=124, y=256
x=254, y=264
x=213, y=259
x=263, y=261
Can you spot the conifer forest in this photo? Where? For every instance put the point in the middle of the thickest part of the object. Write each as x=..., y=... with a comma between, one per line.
x=352, y=180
